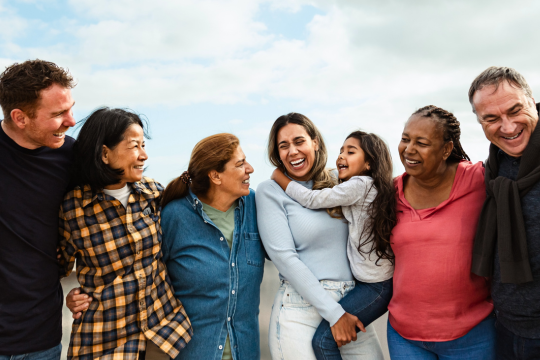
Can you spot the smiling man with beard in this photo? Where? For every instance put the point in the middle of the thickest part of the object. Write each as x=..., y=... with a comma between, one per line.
x=35, y=151
x=507, y=244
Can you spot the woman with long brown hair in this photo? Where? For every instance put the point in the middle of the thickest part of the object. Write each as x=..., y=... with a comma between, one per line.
x=308, y=247
x=213, y=251
x=366, y=198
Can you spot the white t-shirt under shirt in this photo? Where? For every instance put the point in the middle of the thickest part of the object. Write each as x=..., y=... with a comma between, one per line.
x=121, y=194
x=354, y=197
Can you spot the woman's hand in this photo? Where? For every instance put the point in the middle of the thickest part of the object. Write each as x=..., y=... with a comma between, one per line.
x=344, y=330
x=77, y=302
x=279, y=177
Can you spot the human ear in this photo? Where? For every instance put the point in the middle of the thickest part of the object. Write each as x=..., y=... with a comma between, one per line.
x=316, y=144
x=105, y=154
x=19, y=118
x=214, y=177
x=448, y=147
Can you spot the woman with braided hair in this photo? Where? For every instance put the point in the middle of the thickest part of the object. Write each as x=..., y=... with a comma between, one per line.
x=439, y=309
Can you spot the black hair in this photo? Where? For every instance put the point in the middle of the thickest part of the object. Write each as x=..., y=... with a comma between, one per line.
x=382, y=210
x=107, y=127
x=450, y=127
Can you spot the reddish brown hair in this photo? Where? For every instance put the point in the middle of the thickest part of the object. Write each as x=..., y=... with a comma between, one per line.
x=211, y=153
x=21, y=84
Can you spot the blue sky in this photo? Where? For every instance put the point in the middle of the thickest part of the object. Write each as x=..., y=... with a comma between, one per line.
x=195, y=68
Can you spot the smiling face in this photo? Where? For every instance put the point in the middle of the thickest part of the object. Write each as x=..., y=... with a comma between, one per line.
x=296, y=151
x=129, y=155
x=508, y=116
x=235, y=178
x=422, y=149
x=351, y=160
x=52, y=119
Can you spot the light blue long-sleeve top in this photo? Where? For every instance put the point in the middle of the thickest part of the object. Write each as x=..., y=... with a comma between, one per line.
x=305, y=245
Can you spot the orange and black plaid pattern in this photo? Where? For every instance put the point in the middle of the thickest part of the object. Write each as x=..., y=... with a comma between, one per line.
x=119, y=264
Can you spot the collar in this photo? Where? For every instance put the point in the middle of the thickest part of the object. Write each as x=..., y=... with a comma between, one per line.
x=89, y=195
x=197, y=204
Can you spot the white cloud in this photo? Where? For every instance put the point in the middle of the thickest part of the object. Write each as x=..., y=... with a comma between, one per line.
x=362, y=64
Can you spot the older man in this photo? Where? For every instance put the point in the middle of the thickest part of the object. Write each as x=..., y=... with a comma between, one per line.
x=36, y=100
x=507, y=245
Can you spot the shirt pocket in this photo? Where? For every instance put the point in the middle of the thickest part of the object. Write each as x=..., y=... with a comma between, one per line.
x=254, y=249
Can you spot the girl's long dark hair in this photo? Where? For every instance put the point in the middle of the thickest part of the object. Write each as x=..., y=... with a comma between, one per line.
x=382, y=211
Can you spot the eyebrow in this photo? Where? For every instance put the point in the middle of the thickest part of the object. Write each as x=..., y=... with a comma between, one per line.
x=241, y=160
x=513, y=108
x=351, y=146
x=419, y=137
x=296, y=138
x=63, y=111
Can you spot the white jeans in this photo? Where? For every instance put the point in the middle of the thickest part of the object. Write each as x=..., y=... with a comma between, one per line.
x=293, y=323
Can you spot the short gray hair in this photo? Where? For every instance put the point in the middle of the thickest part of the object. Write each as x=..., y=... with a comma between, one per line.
x=494, y=75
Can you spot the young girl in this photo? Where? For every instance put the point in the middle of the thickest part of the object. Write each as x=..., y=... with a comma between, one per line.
x=366, y=195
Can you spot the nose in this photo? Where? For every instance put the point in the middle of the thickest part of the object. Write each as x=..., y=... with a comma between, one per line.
x=69, y=120
x=249, y=168
x=143, y=155
x=408, y=148
x=293, y=150
x=508, y=127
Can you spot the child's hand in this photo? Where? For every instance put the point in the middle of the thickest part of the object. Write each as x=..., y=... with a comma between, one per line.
x=279, y=177
x=344, y=330
x=276, y=174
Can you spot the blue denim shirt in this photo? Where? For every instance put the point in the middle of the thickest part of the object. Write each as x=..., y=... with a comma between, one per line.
x=219, y=287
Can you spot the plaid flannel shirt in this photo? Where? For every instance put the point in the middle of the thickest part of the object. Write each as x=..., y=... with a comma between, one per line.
x=118, y=252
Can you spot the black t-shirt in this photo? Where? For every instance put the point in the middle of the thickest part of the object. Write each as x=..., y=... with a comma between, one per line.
x=32, y=186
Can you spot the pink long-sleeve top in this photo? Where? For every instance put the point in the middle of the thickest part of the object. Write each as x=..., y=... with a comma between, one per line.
x=436, y=297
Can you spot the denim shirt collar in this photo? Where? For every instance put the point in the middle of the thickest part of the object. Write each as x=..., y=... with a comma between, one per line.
x=198, y=208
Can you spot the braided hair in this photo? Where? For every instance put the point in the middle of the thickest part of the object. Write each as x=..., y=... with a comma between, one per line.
x=451, y=130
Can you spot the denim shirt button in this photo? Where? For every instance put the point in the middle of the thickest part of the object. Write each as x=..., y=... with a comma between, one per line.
x=232, y=264
x=221, y=238
x=228, y=319
x=220, y=347
x=233, y=292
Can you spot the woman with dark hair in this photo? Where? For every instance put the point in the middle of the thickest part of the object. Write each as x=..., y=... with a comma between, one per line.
x=439, y=310
x=366, y=198
x=110, y=223
x=213, y=251
x=308, y=247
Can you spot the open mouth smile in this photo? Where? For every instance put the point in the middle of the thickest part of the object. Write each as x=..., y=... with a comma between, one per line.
x=513, y=137
x=297, y=163
x=412, y=162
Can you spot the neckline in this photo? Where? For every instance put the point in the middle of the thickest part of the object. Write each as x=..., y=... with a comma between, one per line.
x=217, y=211
x=18, y=147
x=123, y=190
x=428, y=211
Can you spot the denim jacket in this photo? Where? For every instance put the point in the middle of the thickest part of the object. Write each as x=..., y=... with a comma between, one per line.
x=219, y=287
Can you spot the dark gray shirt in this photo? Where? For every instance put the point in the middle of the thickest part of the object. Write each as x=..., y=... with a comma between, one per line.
x=518, y=305
x=33, y=184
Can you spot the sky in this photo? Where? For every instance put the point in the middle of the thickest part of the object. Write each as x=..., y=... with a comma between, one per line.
x=199, y=67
